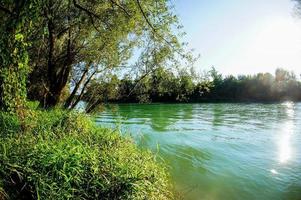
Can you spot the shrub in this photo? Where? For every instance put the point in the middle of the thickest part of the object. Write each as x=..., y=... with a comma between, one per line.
x=64, y=155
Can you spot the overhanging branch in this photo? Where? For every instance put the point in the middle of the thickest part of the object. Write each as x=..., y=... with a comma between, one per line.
x=155, y=31
x=90, y=14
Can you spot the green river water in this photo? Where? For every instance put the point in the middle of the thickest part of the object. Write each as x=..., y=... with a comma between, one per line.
x=220, y=151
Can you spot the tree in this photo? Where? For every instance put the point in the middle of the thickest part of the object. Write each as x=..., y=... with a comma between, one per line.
x=85, y=38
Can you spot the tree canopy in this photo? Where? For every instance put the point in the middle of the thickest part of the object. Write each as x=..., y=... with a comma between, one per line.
x=166, y=85
x=70, y=42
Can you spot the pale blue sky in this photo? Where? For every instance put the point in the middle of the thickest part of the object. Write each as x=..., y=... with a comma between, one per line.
x=242, y=36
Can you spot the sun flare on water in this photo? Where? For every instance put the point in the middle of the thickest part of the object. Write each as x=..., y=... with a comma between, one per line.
x=286, y=133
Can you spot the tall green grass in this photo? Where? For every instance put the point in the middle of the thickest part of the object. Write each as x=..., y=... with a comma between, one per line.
x=64, y=155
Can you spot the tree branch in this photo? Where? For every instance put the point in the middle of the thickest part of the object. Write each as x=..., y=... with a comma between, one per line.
x=121, y=7
x=90, y=14
x=139, y=80
x=84, y=9
x=155, y=31
x=145, y=17
x=82, y=91
x=77, y=85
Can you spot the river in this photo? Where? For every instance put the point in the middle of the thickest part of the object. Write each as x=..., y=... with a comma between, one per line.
x=220, y=151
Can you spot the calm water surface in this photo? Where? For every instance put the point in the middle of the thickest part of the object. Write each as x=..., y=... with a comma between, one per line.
x=220, y=151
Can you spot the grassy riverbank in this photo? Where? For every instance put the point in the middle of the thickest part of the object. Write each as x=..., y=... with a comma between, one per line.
x=64, y=155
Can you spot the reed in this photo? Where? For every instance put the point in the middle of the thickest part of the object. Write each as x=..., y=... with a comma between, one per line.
x=65, y=155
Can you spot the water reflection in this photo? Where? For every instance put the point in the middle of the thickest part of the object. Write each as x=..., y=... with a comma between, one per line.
x=163, y=118
x=285, y=150
x=286, y=131
x=158, y=116
x=217, y=115
x=273, y=171
x=255, y=152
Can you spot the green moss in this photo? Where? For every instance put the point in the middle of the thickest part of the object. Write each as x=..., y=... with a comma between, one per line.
x=64, y=155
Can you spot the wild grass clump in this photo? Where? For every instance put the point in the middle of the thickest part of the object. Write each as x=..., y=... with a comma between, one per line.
x=64, y=155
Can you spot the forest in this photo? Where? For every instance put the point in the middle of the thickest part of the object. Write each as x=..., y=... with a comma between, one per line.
x=187, y=86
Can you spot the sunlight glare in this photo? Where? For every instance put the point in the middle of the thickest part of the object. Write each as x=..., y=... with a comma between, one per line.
x=285, y=148
x=273, y=171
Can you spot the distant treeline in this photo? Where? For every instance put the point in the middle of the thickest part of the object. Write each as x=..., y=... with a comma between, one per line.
x=163, y=85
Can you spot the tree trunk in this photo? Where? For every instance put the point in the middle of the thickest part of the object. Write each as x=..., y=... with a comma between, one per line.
x=83, y=90
x=78, y=84
x=58, y=75
x=14, y=57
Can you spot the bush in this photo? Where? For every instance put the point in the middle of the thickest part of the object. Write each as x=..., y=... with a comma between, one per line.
x=64, y=155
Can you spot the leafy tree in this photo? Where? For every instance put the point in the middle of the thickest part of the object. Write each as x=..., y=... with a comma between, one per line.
x=74, y=41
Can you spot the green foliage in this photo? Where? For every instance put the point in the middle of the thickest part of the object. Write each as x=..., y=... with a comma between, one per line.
x=13, y=53
x=259, y=87
x=66, y=156
x=9, y=124
x=71, y=37
x=13, y=71
x=163, y=85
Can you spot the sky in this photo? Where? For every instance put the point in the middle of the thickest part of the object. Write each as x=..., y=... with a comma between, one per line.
x=242, y=36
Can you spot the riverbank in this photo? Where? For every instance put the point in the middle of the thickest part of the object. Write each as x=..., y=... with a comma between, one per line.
x=64, y=155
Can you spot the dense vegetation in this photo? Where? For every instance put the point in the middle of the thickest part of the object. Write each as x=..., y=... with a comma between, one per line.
x=185, y=86
x=63, y=155
x=62, y=45
x=51, y=51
